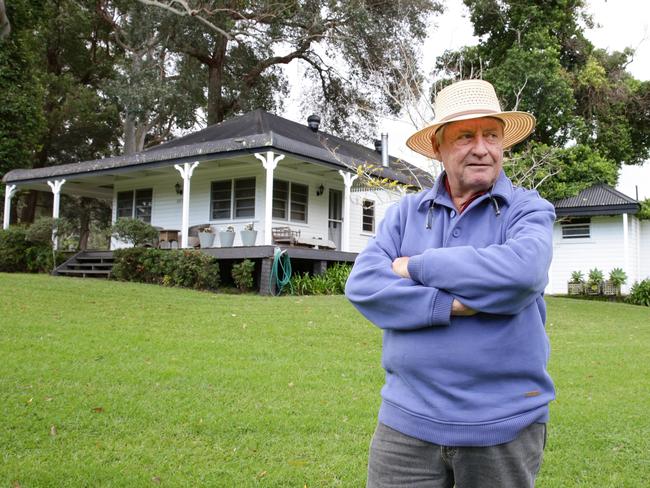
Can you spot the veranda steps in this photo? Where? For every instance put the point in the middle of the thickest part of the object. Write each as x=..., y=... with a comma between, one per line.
x=87, y=264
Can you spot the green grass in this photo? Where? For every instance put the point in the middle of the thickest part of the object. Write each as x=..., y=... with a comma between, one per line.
x=119, y=384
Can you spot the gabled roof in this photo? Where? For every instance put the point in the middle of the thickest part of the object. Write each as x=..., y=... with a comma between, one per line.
x=597, y=200
x=249, y=133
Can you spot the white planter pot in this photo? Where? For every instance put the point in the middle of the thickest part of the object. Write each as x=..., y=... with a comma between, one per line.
x=226, y=238
x=248, y=237
x=206, y=239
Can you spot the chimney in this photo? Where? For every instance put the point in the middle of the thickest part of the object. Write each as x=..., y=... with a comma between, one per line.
x=384, y=150
x=313, y=122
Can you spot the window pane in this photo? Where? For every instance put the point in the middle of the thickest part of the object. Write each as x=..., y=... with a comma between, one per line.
x=280, y=198
x=125, y=204
x=220, y=199
x=368, y=216
x=143, y=200
x=299, y=195
x=575, y=231
x=245, y=197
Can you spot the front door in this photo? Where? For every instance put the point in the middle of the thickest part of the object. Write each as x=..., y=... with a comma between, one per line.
x=335, y=218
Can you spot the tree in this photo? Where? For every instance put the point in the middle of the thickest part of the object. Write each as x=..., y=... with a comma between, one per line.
x=243, y=45
x=155, y=90
x=22, y=123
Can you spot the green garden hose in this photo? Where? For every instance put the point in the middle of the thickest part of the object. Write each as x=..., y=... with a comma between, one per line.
x=281, y=265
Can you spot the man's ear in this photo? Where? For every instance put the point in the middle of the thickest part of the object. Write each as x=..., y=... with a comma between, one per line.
x=436, y=148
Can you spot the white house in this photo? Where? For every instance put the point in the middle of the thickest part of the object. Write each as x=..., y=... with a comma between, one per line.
x=257, y=168
x=599, y=229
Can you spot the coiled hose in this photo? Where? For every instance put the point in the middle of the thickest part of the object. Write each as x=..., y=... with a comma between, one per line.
x=280, y=272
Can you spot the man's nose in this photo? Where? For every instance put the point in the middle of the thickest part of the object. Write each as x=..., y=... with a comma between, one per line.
x=480, y=147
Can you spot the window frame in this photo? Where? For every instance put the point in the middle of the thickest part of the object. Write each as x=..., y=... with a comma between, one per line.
x=364, y=216
x=133, y=205
x=234, y=199
x=571, y=228
x=291, y=203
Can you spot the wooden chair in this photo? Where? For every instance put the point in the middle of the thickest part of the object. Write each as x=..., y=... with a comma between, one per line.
x=284, y=235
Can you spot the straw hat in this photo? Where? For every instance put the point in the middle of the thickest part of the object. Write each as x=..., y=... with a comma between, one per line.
x=471, y=99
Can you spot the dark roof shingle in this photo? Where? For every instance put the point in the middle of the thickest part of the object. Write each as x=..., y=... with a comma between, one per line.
x=597, y=200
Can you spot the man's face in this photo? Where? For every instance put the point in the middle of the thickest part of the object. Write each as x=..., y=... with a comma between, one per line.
x=472, y=154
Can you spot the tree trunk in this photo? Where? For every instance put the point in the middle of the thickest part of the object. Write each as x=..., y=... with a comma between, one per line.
x=129, y=135
x=215, y=82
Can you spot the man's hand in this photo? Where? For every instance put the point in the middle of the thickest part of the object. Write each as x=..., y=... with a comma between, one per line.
x=400, y=267
x=459, y=309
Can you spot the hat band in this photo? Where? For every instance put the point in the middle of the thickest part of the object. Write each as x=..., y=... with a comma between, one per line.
x=468, y=112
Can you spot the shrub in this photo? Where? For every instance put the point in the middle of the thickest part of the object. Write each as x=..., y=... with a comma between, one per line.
x=640, y=293
x=185, y=268
x=331, y=282
x=577, y=277
x=595, y=281
x=135, y=231
x=618, y=277
x=13, y=249
x=28, y=249
x=242, y=274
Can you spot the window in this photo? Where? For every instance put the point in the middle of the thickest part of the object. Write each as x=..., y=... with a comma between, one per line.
x=290, y=201
x=368, y=216
x=135, y=204
x=232, y=199
x=576, y=228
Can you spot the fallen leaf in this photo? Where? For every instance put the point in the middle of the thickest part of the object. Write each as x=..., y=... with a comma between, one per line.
x=48, y=399
x=98, y=409
x=261, y=474
x=53, y=431
x=291, y=385
x=297, y=462
x=156, y=479
x=29, y=401
x=15, y=484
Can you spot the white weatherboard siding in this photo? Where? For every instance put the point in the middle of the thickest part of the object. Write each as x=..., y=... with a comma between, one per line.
x=602, y=250
x=644, y=250
x=383, y=199
x=167, y=205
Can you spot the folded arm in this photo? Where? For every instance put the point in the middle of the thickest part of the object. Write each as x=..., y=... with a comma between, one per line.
x=501, y=278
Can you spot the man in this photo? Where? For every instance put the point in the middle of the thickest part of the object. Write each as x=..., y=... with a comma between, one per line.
x=455, y=278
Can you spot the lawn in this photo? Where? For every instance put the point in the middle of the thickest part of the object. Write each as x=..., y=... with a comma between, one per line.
x=119, y=384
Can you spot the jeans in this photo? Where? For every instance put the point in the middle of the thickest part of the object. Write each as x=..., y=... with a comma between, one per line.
x=398, y=460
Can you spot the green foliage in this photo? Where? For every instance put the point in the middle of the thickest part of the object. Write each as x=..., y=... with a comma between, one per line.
x=242, y=274
x=595, y=280
x=577, y=277
x=644, y=213
x=331, y=282
x=618, y=277
x=135, y=231
x=640, y=293
x=184, y=268
x=28, y=249
x=22, y=123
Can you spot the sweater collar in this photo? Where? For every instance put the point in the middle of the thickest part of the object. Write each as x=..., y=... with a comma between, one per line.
x=502, y=188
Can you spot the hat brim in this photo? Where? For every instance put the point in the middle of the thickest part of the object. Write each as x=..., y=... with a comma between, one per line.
x=517, y=127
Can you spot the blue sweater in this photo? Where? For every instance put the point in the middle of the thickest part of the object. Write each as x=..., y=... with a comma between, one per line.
x=451, y=380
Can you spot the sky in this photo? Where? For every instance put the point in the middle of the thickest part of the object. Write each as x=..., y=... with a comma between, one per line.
x=620, y=24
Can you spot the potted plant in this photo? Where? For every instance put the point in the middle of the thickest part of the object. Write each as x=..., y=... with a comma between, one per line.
x=248, y=234
x=576, y=283
x=595, y=282
x=206, y=236
x=617, y=277
x=227, y=236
